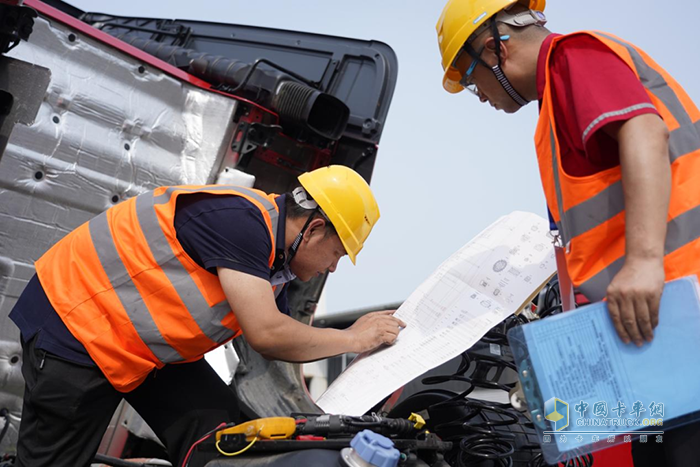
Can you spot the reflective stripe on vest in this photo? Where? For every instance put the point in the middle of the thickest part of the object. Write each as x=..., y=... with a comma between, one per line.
x=581, y=216
x=126, y=289
x=207, y=318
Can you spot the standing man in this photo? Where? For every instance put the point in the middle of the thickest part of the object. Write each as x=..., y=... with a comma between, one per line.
x=618, y=147
x=126, y=305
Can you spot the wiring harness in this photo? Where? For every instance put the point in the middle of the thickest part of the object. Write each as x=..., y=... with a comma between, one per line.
x=485, y=433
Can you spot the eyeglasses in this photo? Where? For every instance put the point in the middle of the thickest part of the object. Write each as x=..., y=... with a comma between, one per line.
x=467, y=79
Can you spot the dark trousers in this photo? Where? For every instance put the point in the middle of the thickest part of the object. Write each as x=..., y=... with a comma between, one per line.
x=68, y=406
x=680, y=448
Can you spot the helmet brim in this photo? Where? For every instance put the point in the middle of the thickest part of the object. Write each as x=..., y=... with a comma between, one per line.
x=450, y=81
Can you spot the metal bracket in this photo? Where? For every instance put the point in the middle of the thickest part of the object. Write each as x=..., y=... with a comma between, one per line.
x=370, y=126
x=253, y=135
x=261, y=134
x=22, y=89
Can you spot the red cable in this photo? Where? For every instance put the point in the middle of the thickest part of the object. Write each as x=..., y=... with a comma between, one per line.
x=185, y=461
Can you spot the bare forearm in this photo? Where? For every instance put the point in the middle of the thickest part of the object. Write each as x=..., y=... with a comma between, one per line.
x=635, y=292
x=292, y=341
x=277, y=336
x=646, y=180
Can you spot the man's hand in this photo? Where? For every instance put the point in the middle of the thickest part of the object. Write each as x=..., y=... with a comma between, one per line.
x=633, y=299
x=375, y=329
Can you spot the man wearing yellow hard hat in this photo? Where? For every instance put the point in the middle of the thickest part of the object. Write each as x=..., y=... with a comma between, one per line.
x=126, y=305
x=618, y=147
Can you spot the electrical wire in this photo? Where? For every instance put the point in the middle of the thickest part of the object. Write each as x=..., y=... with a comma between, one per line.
x=495, y=449
x=580, y=461
x=551, y=304
x=186, y=460
x=553, y=310
x=479, y=377
x=231, y=454
x=477, y=436
x=477, y=427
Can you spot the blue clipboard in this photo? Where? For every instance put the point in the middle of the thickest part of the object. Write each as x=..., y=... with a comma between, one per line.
x=586, y=390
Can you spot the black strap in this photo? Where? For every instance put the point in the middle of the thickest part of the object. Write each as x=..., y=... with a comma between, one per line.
x=498, y=72
x=297, y=241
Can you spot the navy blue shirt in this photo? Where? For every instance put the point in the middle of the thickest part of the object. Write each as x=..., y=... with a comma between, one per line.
x=214, y=230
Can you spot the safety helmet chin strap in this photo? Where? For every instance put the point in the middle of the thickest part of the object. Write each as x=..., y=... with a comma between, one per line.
x=521, y=19
x=301, y=198
x=498, y=72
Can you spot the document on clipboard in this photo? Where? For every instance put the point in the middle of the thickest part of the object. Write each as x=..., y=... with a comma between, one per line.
x=586, y=390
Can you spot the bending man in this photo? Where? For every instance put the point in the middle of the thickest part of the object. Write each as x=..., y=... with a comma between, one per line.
x=126, y=305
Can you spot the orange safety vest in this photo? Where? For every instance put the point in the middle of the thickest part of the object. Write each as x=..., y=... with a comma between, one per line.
x=126, y=289
x=590, y=211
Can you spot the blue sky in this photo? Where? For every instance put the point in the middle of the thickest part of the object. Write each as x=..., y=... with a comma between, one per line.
x=447, y=165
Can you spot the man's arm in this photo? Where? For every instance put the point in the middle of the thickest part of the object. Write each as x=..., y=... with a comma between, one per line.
x=635, y=292
x=280, y=337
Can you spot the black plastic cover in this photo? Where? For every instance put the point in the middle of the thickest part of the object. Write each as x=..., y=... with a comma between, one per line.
x=360, y=73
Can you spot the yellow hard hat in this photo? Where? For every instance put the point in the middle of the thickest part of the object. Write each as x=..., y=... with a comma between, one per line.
x=458, y=21
x=347, y=201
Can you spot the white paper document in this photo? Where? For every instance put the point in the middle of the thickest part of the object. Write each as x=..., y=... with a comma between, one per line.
x=487, y=280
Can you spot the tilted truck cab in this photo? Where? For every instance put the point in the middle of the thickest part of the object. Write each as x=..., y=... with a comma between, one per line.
x=97, y=108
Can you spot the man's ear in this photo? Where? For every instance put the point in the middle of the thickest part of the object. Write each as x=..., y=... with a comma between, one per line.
x=490, y=46
x=316, y=227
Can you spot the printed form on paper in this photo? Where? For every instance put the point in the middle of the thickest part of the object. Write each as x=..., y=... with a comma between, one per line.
x=488, y=279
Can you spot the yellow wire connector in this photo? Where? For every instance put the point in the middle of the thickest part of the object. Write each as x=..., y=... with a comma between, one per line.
x=418, y=420
x=262, y=428
x=231, y=454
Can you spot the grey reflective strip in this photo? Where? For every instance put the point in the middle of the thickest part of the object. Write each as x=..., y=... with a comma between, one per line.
x=594, y=288
x=684, y=140
x=207, y=318
x=165, y=196
x=654, y=82
x=615, y=113
x=126, y=291
x=278, y=290
x=681, y=230
x=560, y=228
x=267, y=204
x=595, y=210
x=609, y=202
x=563, y=228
